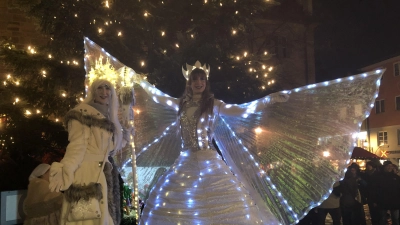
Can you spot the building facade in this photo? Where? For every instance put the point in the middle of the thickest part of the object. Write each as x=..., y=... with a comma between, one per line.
x=382, y=128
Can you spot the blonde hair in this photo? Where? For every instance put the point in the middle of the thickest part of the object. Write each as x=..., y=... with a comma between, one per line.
x=112, y=109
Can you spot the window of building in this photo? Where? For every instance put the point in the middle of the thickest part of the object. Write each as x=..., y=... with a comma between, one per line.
x=398, y=136
x=397, y=102
x=280, y=47
x=380, y=106
x=382, y=138
x=397, y=69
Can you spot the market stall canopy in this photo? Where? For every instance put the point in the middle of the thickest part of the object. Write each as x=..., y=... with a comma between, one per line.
x=360, y=153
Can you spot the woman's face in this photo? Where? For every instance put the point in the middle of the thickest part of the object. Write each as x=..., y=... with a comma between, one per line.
x=353, y=172
x=198, y=84
x=103, y=94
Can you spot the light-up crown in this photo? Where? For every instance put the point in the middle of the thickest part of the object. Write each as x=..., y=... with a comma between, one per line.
x=123, y=77
x=196, y=65
x=102, y=70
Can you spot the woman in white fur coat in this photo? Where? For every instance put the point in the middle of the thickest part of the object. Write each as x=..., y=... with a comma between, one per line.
x=93, y=131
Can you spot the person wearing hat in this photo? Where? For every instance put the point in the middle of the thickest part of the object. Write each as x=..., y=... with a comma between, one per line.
x=42, y=206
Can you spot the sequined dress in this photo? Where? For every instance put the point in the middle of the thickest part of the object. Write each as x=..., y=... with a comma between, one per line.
x=199, y=188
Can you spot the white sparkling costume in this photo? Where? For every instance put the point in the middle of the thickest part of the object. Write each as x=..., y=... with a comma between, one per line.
x=199, y=188
x=275, y=151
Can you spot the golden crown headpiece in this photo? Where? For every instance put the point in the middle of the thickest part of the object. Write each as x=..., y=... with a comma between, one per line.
x=197, y=64
x=100, y=70
x=122, y=77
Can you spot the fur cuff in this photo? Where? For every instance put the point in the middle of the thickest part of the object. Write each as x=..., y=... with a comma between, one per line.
x=76, y=192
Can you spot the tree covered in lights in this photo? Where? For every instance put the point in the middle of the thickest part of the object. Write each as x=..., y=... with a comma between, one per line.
x=154, y=37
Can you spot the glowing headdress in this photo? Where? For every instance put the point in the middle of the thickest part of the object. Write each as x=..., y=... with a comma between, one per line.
x=123, y=77
x=196, y=65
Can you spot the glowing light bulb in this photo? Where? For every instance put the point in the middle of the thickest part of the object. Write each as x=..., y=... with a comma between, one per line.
x=258, y=130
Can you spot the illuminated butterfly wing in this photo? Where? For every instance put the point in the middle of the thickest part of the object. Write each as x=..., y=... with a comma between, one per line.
x=157, y=140
x=289, y=154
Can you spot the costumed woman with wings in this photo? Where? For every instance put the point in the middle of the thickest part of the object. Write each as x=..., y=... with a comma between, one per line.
x=199, y=187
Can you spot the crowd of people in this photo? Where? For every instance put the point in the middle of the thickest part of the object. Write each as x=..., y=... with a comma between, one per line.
x=378, y=187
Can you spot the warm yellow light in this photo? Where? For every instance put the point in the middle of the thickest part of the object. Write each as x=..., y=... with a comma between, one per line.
x=8, y=76
x=81, y=99
x=37, y=111
x=245, y=54
x=237, y=58
x=263, y=87
x=76, y=15
x=16, y=99
x=205, y=1
x=142, y=63
x=17, y=83
x=270, y=68
x=220, y=4
x=64, y=95
x=265, y=74
x=27, y=112
x=145, y=14
x=258, y=130
x=100, y=30
x=265, y=53
x=236, y=12
x=326, y=154
x=264, y=67
x=229, y=87
x=56, y=120
x=162, y=33
x=251, y=69
x=233, y=32
x=119, y=33
x=177, y=45
x=192, y=35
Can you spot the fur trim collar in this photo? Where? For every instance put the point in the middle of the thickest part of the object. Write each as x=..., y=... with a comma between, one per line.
x=88, y=116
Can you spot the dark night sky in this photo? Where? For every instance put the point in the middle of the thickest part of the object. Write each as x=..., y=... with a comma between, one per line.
x=354, y=33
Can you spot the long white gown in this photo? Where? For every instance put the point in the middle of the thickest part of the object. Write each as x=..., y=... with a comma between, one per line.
x=199, y=188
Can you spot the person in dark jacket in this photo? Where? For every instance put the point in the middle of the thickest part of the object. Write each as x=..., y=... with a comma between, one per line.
x=387, y=194
x=350, y=202
x=370, y=175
